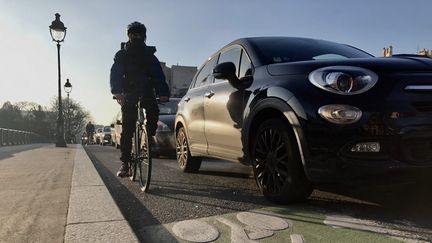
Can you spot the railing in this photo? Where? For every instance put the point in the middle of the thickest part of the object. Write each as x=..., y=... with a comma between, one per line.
x=15, y=137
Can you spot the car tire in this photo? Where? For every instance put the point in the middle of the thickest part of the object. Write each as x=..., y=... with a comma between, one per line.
x=277, y=165
x=186, y=161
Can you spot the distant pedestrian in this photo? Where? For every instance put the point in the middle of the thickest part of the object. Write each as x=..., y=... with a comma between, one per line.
x=136, y=75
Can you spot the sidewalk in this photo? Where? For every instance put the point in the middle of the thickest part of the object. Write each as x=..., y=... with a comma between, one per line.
x=51, y=194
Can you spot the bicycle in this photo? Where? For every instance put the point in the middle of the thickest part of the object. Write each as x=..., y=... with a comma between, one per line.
x=141, y=160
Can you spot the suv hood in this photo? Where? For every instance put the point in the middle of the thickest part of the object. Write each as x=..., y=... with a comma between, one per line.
x=402, y=63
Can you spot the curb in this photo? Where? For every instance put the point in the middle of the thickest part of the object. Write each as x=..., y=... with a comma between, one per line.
x=93, y=216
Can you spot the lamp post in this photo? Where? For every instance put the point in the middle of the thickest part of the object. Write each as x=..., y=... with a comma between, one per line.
x=58, y=33
x=68, y=89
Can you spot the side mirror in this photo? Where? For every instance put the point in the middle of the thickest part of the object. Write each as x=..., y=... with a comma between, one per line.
x=226, y=70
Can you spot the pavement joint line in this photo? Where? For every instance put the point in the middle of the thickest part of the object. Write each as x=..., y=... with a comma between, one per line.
x=98, y=221
x=90, y=186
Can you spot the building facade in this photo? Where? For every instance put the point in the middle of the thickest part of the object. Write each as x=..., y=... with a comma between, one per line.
x=425, y=52
x=178, y=78
x=388, y=52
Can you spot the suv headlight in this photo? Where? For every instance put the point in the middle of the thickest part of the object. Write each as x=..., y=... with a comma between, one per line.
x=343, y=80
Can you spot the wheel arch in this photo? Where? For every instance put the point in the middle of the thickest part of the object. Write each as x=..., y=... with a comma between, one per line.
x=272, y=107
x=179, y=123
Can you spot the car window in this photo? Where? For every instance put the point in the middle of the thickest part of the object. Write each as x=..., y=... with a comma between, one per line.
x=230, y=55
x=204, y=76
x=107, y=129
x=285, y=49
x=245, y=65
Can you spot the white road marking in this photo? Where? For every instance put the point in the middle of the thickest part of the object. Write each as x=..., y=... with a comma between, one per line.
x=195, y=231
x=296, y=238
x=255, y=233
x=371, y=226
x=238, y=235
x=262, y=221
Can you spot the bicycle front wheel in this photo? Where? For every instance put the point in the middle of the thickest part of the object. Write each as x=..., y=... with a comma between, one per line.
x=134, y=155
x=144, y=165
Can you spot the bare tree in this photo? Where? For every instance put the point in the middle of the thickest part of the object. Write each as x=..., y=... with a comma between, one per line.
x=75, y=116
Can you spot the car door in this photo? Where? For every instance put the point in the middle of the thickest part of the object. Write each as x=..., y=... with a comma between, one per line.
x=193, y=111
x=223, y=109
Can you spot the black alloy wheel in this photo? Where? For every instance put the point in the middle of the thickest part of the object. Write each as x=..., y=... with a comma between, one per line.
x=277, y=165
x=186, y=161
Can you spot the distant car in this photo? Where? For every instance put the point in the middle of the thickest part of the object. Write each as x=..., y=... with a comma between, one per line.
x=164, y=140
x=117, y=129
x=304, y=111
x=98, y=136
x=106, y=136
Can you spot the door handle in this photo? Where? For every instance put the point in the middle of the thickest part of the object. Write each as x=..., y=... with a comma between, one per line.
x=209, y=94
x=187, y=99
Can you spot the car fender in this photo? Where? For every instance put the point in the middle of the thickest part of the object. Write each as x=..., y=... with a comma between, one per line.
x=285, y=103
x=179, y=121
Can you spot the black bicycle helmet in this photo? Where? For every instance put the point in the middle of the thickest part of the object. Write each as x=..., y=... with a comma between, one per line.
x=136, y=27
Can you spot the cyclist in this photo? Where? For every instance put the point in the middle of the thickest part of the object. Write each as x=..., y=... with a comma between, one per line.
x=136, y=75
x=90, y=129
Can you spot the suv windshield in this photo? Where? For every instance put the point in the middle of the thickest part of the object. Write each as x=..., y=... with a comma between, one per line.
x=168, y=108
x=107, y=129
x=285, y=49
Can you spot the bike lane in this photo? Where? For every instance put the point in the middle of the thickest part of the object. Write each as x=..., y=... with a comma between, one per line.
x=284, y=224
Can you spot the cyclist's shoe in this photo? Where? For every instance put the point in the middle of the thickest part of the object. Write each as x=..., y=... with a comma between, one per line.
x=123, y=171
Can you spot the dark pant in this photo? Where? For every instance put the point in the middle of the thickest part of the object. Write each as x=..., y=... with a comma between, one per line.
x=129, y=118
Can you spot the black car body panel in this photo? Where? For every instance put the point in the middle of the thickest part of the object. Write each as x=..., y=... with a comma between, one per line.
x=164, y=139
x=398, y=117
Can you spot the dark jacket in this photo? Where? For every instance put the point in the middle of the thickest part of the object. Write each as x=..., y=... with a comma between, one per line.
x=136, y=71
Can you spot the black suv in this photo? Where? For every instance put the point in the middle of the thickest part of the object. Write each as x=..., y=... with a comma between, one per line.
x=304, y=111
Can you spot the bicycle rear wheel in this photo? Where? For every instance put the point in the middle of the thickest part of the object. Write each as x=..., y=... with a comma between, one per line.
x=144, y=162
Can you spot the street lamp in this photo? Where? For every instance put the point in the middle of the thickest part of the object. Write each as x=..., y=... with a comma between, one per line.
x=68, y=89
x=58, y=33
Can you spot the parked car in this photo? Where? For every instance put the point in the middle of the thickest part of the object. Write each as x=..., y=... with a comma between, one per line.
x=305, y=111
x=106, y=136
x=164, y=139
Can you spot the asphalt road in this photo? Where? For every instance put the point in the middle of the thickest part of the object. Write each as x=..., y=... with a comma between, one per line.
x=222, y=187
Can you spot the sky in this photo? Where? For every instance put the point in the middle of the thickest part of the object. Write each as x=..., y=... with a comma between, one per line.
x=185, y=32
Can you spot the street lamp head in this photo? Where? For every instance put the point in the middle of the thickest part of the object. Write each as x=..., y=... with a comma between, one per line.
x=68, y=86
x=57, y=29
